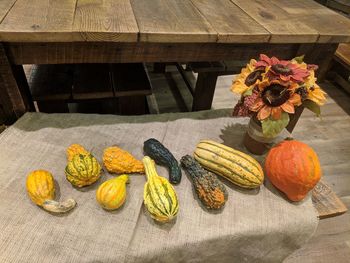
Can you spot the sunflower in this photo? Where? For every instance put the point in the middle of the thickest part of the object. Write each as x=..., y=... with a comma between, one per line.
x=313, y=91
x=275, y=98
x=282, y=69
x=249, y=76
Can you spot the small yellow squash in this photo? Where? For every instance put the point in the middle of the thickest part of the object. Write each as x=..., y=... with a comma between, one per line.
x=83, y=170
x=112, y=194
x=159, y=195
x=75, y=149
x=41, y=190
x=119, y=161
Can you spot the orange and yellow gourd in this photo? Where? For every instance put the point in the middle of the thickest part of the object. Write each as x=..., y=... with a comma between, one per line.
x=41, y=190
x=112, y=194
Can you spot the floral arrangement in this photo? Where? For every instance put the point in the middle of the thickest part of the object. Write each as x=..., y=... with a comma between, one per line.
x=271, y=89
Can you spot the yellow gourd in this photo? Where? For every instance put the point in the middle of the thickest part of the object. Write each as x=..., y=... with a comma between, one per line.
x=112, y=194
x=159, y=195
x=41, y=190
x=118, y=161
x=75, y=149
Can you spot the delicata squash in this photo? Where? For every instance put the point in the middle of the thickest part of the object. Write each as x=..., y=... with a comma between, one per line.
x=41, y=190
x=237, y=167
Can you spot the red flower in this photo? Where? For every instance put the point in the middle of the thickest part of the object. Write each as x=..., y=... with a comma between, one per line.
x=282, y=69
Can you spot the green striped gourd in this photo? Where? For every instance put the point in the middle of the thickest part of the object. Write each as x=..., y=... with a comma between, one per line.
x=159, y=195
x=83, y=170
x=237, y=167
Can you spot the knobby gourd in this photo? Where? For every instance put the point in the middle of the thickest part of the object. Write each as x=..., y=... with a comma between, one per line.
x=83, y=170
x=293, y=167
x=159, y=195
x=161, y=155
x=74, y=149
x=210, y=191
x=237, y=167
x=119, y=161
x=41, y=190
x=112, y=194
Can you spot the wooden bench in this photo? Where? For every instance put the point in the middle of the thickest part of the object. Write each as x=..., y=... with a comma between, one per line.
x=208, y=73
x=340, y=68
x=122, y=87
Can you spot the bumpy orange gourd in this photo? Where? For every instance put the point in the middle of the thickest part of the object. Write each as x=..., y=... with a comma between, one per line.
x=118, y=161
x=75, y=149
x=293, y=167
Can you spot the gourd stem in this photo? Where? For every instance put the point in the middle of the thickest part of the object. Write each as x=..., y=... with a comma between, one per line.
x=59, y=207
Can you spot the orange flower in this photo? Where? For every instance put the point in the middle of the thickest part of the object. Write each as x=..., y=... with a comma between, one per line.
x=248, y=78
x=275, y=98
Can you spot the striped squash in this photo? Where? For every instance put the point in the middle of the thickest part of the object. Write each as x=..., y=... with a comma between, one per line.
x=237, y=167
x=159, y=195
x=83, y=170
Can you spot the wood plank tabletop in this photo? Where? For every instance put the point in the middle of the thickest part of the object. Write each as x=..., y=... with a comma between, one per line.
x=171, y=21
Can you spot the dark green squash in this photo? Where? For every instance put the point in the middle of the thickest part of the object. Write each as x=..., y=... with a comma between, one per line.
x=161, y=155
x=209, y=189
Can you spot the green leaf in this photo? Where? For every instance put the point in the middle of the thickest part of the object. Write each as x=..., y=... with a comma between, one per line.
x=248, y=92
x=312, y=106
x=271, y=128
x=299, y=59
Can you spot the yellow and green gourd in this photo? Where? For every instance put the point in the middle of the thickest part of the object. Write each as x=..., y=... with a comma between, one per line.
x=237, y=167
x=83, y=168
x=41, y=190
x=112, y=194
x=159, y=195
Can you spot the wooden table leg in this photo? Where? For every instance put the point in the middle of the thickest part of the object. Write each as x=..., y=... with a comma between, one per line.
x=15, y=94
x=159, y=67
x=319, y=54
x=204, y=91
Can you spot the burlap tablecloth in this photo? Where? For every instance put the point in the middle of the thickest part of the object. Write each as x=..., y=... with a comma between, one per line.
x=255, y=226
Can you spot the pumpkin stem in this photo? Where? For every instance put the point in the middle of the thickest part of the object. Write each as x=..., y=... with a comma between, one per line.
x=289, y=139
x=59, y=207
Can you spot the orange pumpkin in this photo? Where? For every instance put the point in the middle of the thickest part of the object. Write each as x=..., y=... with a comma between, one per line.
x=293, y=167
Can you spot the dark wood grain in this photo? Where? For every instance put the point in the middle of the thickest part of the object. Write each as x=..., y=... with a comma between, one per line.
x=15, y=103
x=60, y=53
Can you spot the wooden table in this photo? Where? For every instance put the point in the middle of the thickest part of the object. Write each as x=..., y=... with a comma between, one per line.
x=118, y=31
